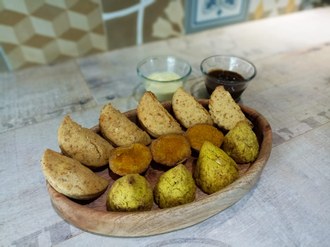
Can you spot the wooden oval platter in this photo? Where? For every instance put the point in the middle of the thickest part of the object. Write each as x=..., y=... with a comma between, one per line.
x=92, y=216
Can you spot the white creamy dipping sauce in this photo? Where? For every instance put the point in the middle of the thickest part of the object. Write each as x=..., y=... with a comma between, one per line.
x=162, y=84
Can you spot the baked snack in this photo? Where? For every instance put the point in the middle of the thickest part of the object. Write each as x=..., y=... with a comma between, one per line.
x=214, y=169
x=83, y=144
x=155, y=118
x=187, y=110
x=134, y=158
x=130, y=193
x=71, y=178
x=224, y=111
x=170, y=149
x=175, y=187
x=200, y=133
x=241, y=143
x=118, y=129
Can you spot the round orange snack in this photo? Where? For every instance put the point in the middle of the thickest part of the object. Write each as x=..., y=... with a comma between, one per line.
x=170, y=149
x=134, y=158
x=200, y=133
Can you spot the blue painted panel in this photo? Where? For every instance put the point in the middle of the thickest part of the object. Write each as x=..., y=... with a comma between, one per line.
x=205, y=14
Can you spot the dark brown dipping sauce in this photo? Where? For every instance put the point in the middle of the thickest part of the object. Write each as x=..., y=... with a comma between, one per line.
x=215, y=77
x=226, y=75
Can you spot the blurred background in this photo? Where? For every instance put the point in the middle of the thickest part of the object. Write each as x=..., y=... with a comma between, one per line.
x=50, y=31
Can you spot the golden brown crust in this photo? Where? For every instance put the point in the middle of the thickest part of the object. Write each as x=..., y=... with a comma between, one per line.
x=118, y=129
x=83, y=144
x=224, y=111
x=188, y=111
x=155, y=118
x=170, y=149
x=71, y=178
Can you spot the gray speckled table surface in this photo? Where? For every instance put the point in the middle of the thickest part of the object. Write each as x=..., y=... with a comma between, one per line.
x=289, y=206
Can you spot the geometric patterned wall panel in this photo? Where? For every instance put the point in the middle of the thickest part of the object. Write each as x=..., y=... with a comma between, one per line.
x=47, y=31
x=34, y=32
x=134, y=22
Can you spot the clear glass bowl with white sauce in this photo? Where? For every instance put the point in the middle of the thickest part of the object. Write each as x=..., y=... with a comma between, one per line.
x=163, y=75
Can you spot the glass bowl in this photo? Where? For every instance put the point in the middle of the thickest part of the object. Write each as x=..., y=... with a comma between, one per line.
x=163, y=75
x=234, y=73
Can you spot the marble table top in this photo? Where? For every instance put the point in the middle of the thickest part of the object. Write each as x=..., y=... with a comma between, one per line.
x=289, y=206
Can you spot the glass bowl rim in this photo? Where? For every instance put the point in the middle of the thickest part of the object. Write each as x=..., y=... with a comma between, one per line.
x=227, y=82
x=143, y=61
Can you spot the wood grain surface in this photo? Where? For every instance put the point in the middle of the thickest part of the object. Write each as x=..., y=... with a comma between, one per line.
x=94, y=217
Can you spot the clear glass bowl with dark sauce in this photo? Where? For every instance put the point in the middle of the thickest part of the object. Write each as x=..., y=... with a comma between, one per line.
x=234, y=73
